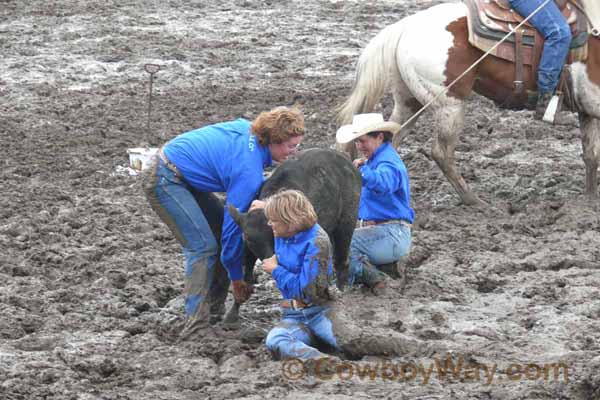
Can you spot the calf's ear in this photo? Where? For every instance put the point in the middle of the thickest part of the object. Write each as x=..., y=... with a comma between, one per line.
x=237, y=216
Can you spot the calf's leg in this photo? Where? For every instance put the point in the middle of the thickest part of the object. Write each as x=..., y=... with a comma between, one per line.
x=233, y=316
x=341, y=244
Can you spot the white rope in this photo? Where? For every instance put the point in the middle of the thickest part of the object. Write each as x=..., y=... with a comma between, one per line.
x=513, y=30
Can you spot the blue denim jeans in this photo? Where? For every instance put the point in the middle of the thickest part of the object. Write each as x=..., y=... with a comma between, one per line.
x=551, y=24
x=175, y=203
x=298, y=330
x=377, y=244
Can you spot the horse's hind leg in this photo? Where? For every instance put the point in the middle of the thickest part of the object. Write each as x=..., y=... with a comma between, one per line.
x=405, y=106
x=449, y=121
x=590, y=127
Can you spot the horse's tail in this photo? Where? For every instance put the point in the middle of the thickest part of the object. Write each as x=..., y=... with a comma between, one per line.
x=376, y=64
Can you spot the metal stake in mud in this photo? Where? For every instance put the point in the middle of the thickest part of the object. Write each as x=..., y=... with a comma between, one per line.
x=151, y=69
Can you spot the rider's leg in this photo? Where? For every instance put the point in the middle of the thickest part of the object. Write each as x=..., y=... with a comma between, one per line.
x=550, y=22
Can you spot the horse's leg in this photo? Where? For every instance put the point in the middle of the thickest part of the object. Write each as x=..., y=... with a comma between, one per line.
x=405, y=106
x=590, y=127
x=449, y=121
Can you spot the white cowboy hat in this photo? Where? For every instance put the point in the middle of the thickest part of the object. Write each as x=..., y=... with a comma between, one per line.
x=363, y=124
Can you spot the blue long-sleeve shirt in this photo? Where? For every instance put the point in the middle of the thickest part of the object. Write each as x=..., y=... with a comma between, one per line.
x=224, y=157
x=304, y=268
x=386, y=190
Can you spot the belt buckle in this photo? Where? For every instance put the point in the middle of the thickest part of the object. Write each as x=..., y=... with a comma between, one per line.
x=405, y=223
x=363, y=223
x=297, y=305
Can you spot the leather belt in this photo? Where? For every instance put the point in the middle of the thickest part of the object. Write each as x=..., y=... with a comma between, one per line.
x=294, y=304
x=168, y=163
x=364, y=223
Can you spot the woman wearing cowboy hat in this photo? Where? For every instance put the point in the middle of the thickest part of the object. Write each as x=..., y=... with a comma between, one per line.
x=385, y=216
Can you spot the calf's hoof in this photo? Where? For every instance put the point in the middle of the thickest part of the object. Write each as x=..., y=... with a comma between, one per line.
x=232, y=320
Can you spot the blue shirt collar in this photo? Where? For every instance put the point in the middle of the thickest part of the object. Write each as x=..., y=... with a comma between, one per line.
x=266, y=155
x=302, y=236
x=380, y=149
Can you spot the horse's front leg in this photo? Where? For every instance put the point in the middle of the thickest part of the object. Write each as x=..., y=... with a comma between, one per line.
x=590, y=127
x=449, y=122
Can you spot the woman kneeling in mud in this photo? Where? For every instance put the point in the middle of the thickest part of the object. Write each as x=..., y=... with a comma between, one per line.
x=303, y=271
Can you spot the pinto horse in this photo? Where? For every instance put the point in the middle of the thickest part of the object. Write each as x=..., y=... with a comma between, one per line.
x=420, y=55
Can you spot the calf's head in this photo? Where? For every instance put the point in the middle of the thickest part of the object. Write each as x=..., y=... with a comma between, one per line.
x=258, y=235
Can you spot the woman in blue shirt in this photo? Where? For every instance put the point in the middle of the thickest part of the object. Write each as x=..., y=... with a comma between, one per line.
x=385, y=216
x=226, y=157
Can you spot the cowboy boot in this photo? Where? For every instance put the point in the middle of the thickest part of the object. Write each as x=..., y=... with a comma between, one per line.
x=390, y=269
x=197, y=323
x=374, y=278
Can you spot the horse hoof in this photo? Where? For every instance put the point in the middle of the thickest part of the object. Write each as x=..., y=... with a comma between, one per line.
x=470, y=199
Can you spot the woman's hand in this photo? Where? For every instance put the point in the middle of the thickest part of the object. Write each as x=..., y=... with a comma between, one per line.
x=256, y=204
x=269, y=264
x=359, y=162
x=241, y=291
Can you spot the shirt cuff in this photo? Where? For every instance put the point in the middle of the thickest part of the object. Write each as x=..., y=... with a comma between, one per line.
x=236, y=273
x=276, y=274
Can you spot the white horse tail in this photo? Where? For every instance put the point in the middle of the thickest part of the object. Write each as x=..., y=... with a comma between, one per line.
x=376, y=65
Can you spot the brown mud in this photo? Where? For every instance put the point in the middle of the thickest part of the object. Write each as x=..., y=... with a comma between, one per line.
x=91, y=280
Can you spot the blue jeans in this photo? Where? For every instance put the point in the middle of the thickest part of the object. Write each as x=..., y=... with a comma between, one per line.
x=175, y=203
x=294, y=336
x=551, y=24
x=377, y=244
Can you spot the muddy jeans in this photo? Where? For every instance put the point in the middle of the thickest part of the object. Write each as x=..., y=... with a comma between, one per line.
x=377, y=244
x=298, y=331
x=175, y=203
x=294, y=336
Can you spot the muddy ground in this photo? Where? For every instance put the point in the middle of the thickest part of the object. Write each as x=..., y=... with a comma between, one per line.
x=91, y=280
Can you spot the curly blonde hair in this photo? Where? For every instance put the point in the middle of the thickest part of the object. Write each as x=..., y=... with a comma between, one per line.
x=278, y=125
x=292, y=208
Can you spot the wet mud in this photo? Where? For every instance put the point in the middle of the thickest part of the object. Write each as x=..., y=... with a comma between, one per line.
x=500, y=301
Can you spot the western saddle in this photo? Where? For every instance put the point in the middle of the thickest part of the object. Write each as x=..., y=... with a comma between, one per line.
x=490, y=20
